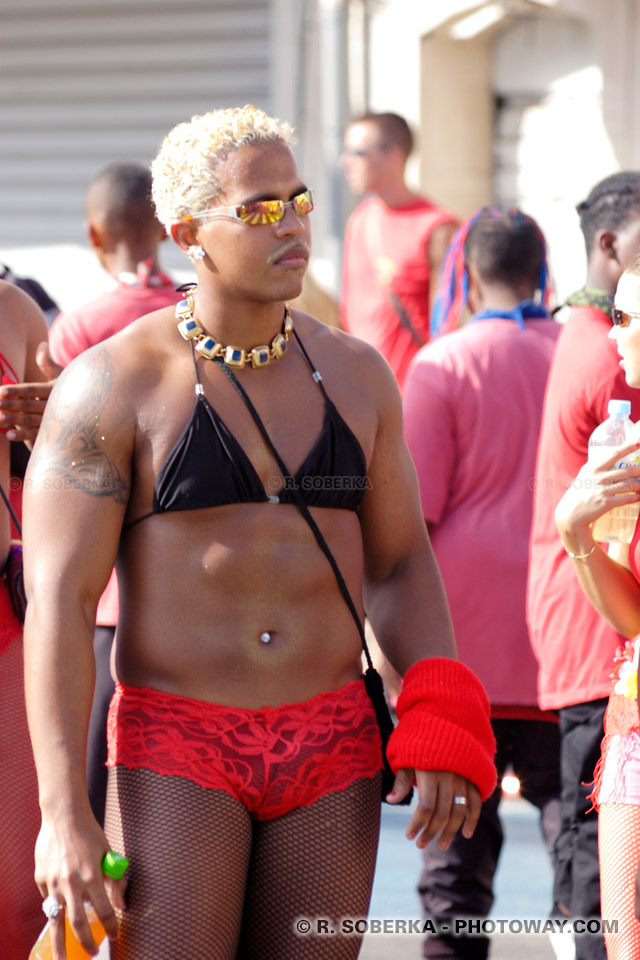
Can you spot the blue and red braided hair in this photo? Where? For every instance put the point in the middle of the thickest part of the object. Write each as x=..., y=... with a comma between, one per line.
x=506, y=245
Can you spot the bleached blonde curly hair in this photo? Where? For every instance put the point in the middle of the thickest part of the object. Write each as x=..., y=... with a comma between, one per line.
x=184, y=171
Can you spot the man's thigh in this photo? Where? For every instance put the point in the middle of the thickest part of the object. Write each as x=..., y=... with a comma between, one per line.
x=189, y=850
x=314, y=866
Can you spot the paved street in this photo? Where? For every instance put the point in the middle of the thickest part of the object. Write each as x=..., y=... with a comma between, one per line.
x=523, y=888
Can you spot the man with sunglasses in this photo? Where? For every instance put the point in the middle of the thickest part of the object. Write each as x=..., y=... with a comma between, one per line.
x=245, y=467
x=394, y=243
x=574, y=645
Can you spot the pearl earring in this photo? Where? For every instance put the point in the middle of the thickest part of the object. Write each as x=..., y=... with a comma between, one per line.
x=196, y=252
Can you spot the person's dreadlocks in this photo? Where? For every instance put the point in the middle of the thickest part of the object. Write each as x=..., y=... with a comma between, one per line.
x=504, y=244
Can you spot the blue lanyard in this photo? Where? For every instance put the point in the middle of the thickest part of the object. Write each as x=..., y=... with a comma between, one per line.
x=527, y=310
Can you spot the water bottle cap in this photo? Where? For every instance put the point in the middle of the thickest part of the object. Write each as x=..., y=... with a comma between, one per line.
x=619, y=408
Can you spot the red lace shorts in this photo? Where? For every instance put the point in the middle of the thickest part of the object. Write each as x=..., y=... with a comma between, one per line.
x=271, y=760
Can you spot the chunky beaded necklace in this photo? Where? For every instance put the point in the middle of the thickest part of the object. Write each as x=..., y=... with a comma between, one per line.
x=210, y=348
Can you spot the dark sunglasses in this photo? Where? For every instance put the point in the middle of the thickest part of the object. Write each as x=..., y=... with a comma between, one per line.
x=622, y=318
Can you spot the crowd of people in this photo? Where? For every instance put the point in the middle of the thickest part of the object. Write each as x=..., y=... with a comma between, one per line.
x=266, y=485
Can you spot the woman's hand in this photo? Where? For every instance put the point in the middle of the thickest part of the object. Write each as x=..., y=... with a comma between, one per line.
x=22, y=405
x=598, y=488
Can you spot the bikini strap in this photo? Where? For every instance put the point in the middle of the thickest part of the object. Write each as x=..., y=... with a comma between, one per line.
x=304, y=509
x=317, y=376
x=6, y=367
x=199, y=387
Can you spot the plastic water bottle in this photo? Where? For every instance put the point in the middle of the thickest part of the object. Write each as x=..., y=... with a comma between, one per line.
x=617, y=525
x=114, y=865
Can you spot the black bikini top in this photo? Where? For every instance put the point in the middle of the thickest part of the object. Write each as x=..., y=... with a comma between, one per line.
x=207, y=467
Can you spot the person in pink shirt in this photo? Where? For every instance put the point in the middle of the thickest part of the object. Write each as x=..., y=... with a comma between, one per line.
x=472, y=409
x=125, y=235
x=394, y=243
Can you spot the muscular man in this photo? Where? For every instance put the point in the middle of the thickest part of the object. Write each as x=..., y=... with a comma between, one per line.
x=22, y=328
x=244, y=754
x=574, y=645
x=394, y=243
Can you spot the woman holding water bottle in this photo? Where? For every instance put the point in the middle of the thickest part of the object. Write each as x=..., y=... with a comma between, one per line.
x=611, y=581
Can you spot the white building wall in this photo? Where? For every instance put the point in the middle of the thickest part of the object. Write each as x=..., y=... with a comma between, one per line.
x=87, y=82
x=567, y=91
x=551, y=143
x=395, y=57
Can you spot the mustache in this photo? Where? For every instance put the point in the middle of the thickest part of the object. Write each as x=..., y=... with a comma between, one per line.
x=298, y=247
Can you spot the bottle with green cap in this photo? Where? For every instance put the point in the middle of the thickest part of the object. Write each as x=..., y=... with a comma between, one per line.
x=113, y=865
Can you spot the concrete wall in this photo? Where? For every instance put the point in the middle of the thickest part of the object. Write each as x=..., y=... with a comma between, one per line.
x=531, y=111
x=456, y=122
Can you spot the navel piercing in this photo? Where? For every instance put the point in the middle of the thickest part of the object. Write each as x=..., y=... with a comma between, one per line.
x=265, y=637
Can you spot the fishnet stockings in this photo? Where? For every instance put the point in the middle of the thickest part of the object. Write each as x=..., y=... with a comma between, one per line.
x=188, y=849
x=317, y=861
x=191, y=851
x=619, y=847
x=21, y=917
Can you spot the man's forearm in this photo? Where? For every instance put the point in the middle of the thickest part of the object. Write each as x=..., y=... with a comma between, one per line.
x=409, y=613
x=59, y=680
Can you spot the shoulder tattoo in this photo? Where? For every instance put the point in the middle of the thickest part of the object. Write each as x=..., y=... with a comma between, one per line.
x=73, y=449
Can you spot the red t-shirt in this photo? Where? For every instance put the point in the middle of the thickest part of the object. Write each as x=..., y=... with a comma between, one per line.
x=385, y=252
x=74, y=332
x=472, y=411
x=572, y=642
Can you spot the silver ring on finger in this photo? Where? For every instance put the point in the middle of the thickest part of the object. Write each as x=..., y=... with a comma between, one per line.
x=51, y=907
x=461, y=800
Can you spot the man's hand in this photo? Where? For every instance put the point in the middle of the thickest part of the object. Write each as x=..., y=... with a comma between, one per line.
x=439, y=805
x=22, y=404
x=68, y=867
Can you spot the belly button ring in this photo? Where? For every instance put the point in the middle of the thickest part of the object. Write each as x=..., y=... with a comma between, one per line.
x=265, y=637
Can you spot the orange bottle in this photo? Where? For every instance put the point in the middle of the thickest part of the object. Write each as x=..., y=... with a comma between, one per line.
x=114, y=865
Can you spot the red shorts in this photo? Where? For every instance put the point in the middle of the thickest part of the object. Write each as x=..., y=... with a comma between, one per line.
x=271, y=760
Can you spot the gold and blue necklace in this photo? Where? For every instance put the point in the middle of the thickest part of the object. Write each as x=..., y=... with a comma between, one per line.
x=210, y=348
